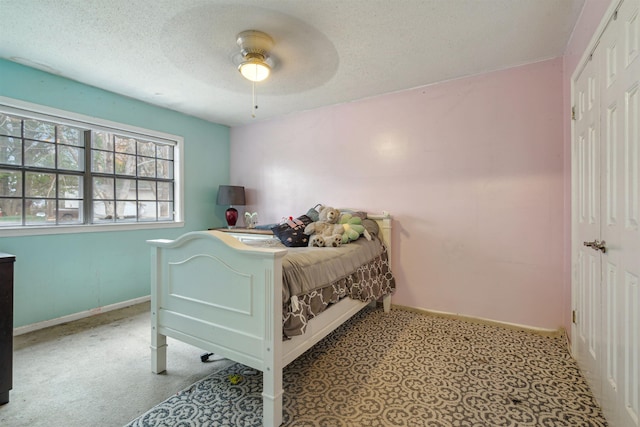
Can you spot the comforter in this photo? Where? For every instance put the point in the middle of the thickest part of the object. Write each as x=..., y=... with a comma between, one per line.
x=314, y=278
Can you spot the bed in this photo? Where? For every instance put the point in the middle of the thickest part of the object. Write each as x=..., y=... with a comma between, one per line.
x=222, y=293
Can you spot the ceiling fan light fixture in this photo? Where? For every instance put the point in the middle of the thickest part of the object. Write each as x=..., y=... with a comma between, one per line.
x=254, y=46
x=254, y=69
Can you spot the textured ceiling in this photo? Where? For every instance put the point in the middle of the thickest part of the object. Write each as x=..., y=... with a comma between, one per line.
x=180, y=54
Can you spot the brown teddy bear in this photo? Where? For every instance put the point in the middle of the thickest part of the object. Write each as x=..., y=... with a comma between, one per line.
x=326, y=227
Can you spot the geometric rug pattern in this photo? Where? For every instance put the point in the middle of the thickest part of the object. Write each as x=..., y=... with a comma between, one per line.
x=402, y=368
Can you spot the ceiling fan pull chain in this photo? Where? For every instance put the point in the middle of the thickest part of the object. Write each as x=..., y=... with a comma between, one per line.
x=254, y=106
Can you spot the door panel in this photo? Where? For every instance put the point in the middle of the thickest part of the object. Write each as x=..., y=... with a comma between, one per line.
x=620, y=195
x=587, y=294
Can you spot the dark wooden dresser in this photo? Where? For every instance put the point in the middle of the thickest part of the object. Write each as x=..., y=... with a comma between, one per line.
x=6, y=325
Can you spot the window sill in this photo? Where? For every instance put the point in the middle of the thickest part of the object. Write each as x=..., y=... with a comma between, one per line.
x=89, y=228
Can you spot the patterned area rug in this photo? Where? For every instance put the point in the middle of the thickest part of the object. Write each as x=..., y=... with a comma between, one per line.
x=403, y=369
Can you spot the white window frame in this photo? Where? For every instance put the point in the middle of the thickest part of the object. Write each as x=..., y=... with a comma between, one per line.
x=30, y=110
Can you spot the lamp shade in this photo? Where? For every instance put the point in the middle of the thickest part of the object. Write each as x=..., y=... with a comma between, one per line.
x=255, y=70
x=230, y=195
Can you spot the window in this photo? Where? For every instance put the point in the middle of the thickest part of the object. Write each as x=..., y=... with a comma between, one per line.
x=57, y=170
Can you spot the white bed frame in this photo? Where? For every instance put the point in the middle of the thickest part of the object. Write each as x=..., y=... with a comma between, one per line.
x=210, y=290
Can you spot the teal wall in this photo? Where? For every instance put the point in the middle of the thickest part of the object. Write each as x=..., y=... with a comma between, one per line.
x=58, y=275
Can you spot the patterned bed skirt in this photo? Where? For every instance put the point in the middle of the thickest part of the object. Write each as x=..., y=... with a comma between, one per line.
x=369, y=282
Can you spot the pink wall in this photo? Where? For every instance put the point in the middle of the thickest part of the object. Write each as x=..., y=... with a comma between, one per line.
x=592, y=13
x=472, y=171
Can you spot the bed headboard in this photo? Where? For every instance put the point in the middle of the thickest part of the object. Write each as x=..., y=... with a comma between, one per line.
x=384, y=222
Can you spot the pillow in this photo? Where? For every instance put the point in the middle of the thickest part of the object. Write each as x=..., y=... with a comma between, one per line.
x=371, y=226
x=291, y=232
x=353, y=212
x=314, y=212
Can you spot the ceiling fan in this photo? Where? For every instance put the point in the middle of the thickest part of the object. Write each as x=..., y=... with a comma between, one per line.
x=256, y=62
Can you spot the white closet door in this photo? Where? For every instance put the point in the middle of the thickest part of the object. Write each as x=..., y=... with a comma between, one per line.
x=620, y=221
x=586, y=154
x=607, y=215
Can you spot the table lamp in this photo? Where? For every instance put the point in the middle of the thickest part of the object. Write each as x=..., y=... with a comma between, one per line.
x=231, y=195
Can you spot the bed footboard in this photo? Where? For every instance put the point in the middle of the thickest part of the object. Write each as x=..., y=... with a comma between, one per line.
x=213, y=292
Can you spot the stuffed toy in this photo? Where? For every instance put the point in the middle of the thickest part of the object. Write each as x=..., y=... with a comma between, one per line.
x=353, y=228
x=319, y=241
x=327, y=224
x=316, y=241
x=333, y=241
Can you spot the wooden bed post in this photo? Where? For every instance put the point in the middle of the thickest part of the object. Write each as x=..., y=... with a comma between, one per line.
x=272, y=390
x=386, y=233
x=158, y=341
x=158, y=352
x=384, y=222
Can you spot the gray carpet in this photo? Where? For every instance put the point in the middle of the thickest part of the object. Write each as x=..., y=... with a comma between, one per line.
x=95, y=372
x=403, y=369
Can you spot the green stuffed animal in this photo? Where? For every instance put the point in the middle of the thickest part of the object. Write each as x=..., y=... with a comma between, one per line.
x=353, y=227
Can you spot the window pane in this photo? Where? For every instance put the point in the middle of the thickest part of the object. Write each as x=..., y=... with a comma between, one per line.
x=10, y=150
x=146, y=148
x=103, y=211
x=10, y=212
x=70, y=158
x=127, y=210
x=146, y=167
x=70, y=212
x=39, y=154
x=165, y=211
x=10, y=183
x=102, y=140
x=38, y=184
x=101, y=161
x=70, y=187
x=70, y=136
x=39, y=130
x=125, y=145
x=146, y=190
x=125, y=164
x=103, y=189
x=10, y=126
x=39, y=211
x=165, y=191
x=147, y=211
x=126, y=189
x=165, y=169
x=165, y=152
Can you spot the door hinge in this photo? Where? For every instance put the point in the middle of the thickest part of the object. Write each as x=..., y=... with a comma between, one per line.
x=573, y=112
x=573, y=316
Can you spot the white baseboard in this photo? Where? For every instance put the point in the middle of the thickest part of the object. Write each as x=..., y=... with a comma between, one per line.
x=76, y=316
x=541, y=331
